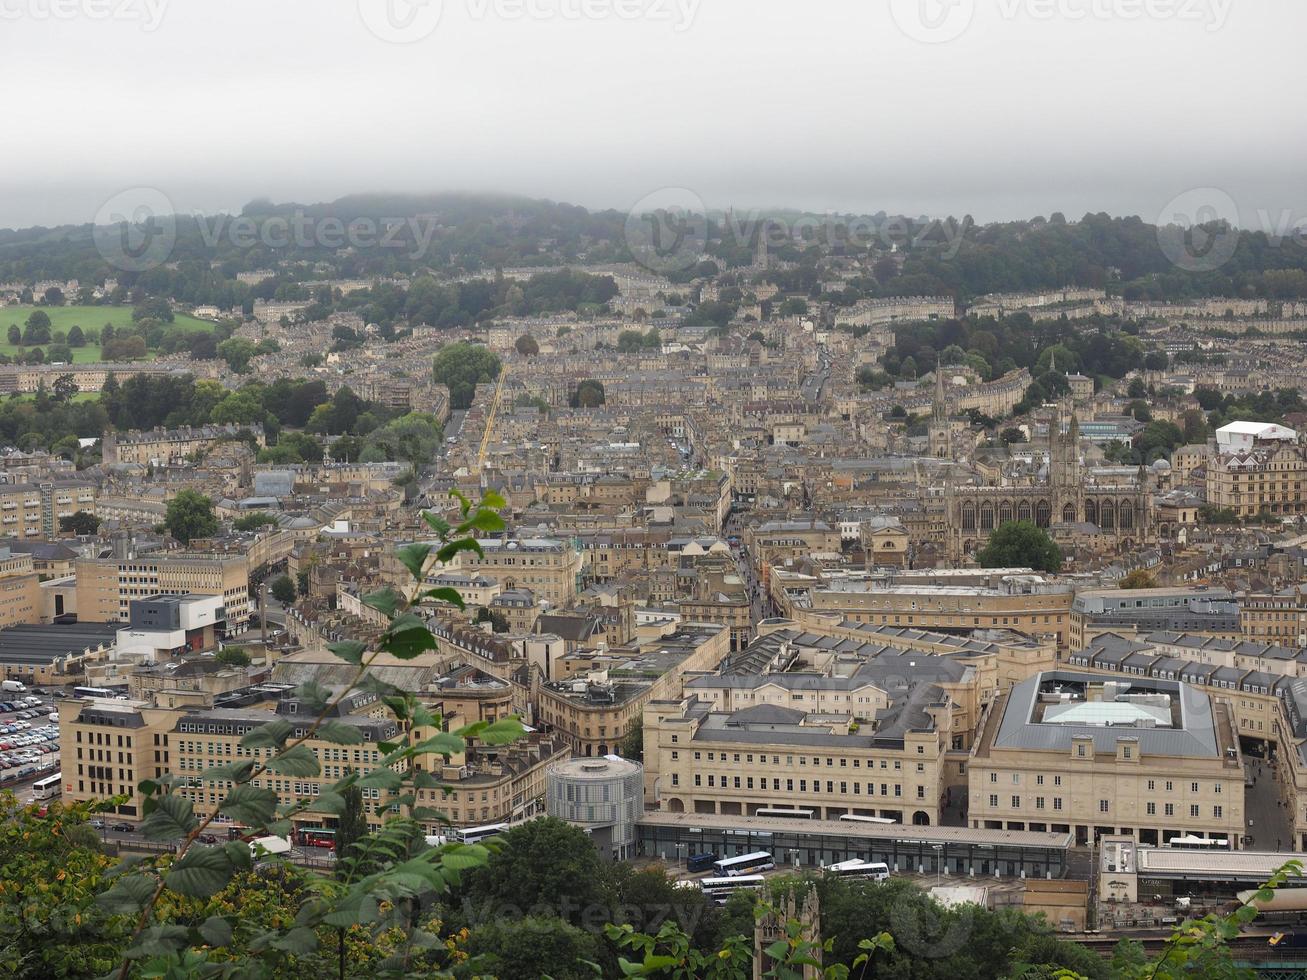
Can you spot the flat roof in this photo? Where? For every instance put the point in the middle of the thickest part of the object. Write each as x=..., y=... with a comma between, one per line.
x=1212, y=863
x=43, y=643
x=857, y=828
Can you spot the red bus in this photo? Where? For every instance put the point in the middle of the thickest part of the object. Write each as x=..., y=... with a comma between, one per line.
x=316, y=837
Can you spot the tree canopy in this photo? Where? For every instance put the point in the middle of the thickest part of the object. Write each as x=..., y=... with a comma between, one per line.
x=190, y=515
x=1020, y=544
x=462, y=367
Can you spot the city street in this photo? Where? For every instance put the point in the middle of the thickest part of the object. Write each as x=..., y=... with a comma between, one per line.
x=1270, y=827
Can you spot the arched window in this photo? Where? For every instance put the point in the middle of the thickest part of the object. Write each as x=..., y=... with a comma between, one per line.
x=1126, y=515
x=968, y=517
x=1023, y=510
x=987, y=517
x=1107, y=516
x=1005, y=512
x=1069, y=514
x=1043, y=513
x=1091, y=511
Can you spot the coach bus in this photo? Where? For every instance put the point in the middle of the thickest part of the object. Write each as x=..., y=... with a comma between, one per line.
x=719, y=890
x=793, y=813
x=851, y=817
x=745, y=864
x=94, y=692
x=48, y=788
x=876, y=871
x=474, y=835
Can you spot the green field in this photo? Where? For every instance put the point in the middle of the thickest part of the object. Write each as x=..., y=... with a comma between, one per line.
x=88, y=318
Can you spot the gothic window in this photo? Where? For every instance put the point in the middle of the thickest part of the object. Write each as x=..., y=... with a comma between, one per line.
x=1091, y=511
x=968, y=517
x=1005, y=512
x=1043, y=513
x=987, y=517
x=1107, y=516
x=1023, y=511
x=1069, y=514
x=1126, y=516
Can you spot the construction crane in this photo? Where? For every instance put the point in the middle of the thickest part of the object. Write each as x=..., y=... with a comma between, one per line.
x=490, y=423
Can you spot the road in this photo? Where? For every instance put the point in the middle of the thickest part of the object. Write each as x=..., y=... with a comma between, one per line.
x=1266, y=818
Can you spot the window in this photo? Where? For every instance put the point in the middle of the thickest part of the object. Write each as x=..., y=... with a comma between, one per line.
x=1193, y=809
x=1016, y=803
x=1151, y=809
x=1218, y=812
x=1169, y=809
x=993, y=800
x=1039, y=803
x=1102, y=806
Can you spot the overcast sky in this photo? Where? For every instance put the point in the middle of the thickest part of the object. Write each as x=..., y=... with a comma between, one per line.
x=997, y=108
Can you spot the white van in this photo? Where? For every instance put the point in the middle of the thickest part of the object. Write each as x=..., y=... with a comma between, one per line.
x=13, y=687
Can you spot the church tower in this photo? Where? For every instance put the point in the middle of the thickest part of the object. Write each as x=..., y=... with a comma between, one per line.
x=940, y=437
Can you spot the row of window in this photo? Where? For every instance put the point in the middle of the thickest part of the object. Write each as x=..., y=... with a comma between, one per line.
x=746, y=782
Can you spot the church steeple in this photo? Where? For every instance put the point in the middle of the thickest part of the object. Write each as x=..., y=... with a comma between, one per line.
x=939, y=410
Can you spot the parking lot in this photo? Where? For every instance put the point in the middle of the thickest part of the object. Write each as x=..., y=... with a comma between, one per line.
x=29, y=739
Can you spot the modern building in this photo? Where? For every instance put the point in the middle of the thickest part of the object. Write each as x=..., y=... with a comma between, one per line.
x=32, y=510
x=1198, y=609
x=604, y=797
x=106, y=587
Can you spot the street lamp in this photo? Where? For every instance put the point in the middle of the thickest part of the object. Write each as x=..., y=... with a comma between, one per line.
x=680, y=847
x=939, y=857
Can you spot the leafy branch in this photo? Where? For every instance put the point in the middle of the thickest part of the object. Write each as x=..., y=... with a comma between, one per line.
x=386, y=871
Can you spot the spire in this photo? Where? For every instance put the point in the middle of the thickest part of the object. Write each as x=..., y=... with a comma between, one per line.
x=939, y=410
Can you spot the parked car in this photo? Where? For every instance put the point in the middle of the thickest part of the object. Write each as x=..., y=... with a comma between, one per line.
x=123, y=828
x=97, y=824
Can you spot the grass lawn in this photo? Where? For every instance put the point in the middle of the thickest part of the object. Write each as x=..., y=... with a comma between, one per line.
x=87, y=317
x=81, y=396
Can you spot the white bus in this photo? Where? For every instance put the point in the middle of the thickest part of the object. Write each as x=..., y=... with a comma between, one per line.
x=745, y=864
x=860, y=869
x=475, y=835
x=48, y=788
x=794, y=813
x=719, y=890
x=93, y=692
x=862, y=819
